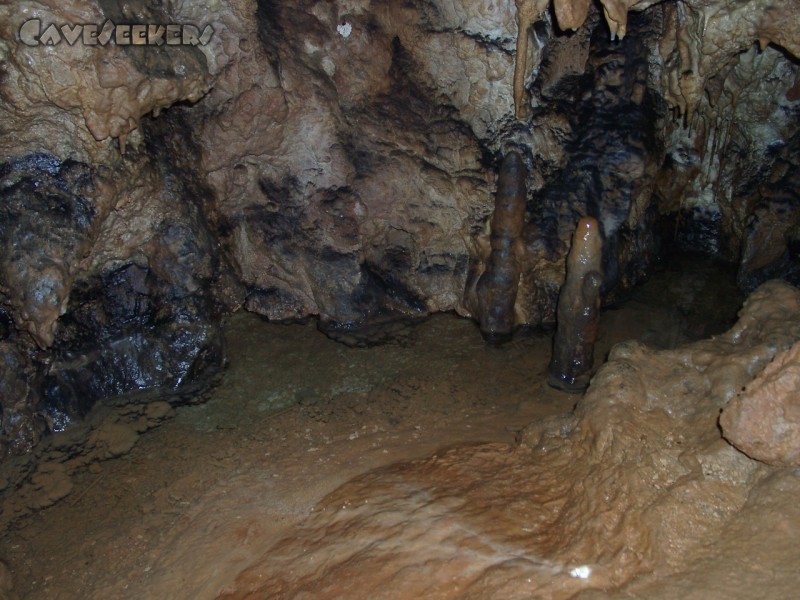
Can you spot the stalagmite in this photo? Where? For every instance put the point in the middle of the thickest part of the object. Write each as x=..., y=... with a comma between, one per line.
x=497, y=287
x=578, y=311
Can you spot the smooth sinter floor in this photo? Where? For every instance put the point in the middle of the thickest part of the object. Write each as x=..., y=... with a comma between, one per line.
x=195, y=501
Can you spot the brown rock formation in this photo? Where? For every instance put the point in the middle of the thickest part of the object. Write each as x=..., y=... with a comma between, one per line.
x=497, y=288
x=636, y=494
x=578, y=311
x=59, y=93
x=528, y=11
x=764, y=420
x=336, y=160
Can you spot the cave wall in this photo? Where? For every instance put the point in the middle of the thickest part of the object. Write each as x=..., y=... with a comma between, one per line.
x=339, y=160
x=108, y=270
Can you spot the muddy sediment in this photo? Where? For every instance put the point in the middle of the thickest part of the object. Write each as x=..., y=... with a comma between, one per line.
x=440, y=468
x=636, y=482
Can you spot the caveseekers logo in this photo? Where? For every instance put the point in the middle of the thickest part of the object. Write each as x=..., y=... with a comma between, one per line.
x=33, y=34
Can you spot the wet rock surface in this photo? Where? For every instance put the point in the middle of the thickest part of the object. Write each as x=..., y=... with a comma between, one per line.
x=47, y=219
x=181, y=509
x=636, y=485
x=339, y=161
x=578, y=311
x=150, y=321
x=19, y=398
x=115, y=301
x=105, y=263
x=611, y=158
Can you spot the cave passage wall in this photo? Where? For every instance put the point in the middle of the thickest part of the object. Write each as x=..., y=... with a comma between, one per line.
x=339, y=160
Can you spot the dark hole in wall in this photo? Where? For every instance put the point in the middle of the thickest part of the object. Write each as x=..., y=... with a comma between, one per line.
x=270, y=30
x=6, y=325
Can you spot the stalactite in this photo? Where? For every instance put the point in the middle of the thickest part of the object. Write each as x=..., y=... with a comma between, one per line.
x=571, y=15
x=528, y=12
x=690, y=80
x=497, y=287
x=616, y=14
x=578, y=311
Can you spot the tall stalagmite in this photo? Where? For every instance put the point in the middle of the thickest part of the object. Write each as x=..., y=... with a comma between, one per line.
x=497, y=287
x=578, y=310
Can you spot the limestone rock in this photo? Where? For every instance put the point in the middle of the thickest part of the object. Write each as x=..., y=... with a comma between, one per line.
x=82, y=206
x=769, y=236
x=571, y=15
x=578, y=322
x=18, y=401
x=110, y=86
x=623, y=498
x=143, y=314
x=764, y=420
x=496, y=290
x=339, y=160
x=47, y=216
x=374, y=217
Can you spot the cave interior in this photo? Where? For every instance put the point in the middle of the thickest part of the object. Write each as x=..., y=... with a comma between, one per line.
x=402, y=299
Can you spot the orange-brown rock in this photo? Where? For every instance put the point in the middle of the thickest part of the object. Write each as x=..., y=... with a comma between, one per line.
x=497, y=287
x=764, y=420
x=578, y=316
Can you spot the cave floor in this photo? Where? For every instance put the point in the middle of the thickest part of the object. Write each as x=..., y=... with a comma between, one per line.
x=194, y=502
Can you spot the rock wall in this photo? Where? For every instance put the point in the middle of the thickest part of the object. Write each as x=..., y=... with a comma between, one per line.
x=108, y=267
x=339, y=160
